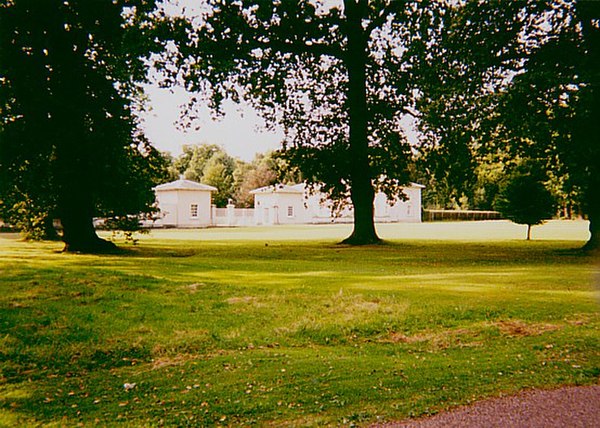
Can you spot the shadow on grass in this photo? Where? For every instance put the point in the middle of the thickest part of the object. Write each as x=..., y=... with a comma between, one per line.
x=159, y=252
x=478, y=251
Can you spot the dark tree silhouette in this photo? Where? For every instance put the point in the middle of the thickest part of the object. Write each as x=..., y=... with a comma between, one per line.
x=336, y=78
x=516, y=80
x=523, y=199
x=68, y=141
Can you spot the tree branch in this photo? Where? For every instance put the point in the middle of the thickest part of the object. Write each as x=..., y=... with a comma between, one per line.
x=391, y=7
x=299, y=48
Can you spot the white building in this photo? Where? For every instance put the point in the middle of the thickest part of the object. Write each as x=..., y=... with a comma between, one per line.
x=279, y=204
x=284, y=204
x=184, y=203
x=398, y=210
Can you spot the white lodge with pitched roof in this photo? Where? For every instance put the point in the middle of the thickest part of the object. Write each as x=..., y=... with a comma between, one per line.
x=184, y=203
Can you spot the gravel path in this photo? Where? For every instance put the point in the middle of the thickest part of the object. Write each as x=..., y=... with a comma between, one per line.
x=572, y=407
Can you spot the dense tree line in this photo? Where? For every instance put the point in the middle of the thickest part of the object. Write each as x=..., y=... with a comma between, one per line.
x=513, y=82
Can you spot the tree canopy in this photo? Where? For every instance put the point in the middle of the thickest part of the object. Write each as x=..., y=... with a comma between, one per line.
x=336, y=79
x=524, y=199
x=515, y=80
x=553, y=106
x=69, y=147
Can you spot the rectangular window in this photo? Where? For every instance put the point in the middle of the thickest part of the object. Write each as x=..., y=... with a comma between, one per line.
x=194, y=210
x=290, y=211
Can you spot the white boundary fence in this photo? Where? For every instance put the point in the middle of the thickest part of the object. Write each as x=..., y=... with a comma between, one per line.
x=232, y=216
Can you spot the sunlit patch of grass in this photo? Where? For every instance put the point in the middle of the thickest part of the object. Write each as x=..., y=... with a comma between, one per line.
x=299, y=331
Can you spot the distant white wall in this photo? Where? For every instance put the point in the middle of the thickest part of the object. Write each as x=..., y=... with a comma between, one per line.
x=319, y=210
x=408, y=210
x=232, y=216
x=185, y=208
x=279, y=208
x=385, y=211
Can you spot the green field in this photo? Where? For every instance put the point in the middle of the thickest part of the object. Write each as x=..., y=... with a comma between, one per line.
x=282, y=326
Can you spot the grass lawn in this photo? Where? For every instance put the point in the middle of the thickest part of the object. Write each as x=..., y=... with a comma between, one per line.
x=281, y=326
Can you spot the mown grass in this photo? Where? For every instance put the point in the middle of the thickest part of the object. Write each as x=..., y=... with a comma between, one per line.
x=282, y=326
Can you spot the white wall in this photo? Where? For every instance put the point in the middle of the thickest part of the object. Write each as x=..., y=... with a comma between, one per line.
x=175, y=206
x=318, y=210
x=279, y=208
x=405, y=211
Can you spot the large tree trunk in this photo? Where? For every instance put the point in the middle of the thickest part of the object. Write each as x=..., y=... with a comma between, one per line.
x=79, y=234
x=75, y=184
x=593, y=213
x=362, y=192
x=593, y=244
x=589, y=150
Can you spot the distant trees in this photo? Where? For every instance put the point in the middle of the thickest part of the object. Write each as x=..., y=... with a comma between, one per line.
x=194, y=158
x=234, y=178
x=209, y=164
x=69, y=147
x=514, y=80
x=263, y=171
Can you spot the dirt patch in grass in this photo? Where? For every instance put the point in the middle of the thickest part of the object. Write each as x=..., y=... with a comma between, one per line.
x=192, y=288
x=517, y=328
x=581, y=319
x=395, y=337
x=170, y=361
x=244, y=299
x=469, y=337
x=440, y=340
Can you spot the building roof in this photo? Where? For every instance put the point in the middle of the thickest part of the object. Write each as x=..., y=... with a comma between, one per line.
x=279, y=188
x=183, y=184
x=299, y=188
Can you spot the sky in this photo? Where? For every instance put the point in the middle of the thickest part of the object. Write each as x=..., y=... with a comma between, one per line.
x=241, y=132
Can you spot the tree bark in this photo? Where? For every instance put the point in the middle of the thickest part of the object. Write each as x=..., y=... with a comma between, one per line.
x=75, y=204
x=593, y=215
x=362, y=193
x=529, y=232
x=588, y=13
x=79, y=234
x=593, y=244
x=75, y=184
